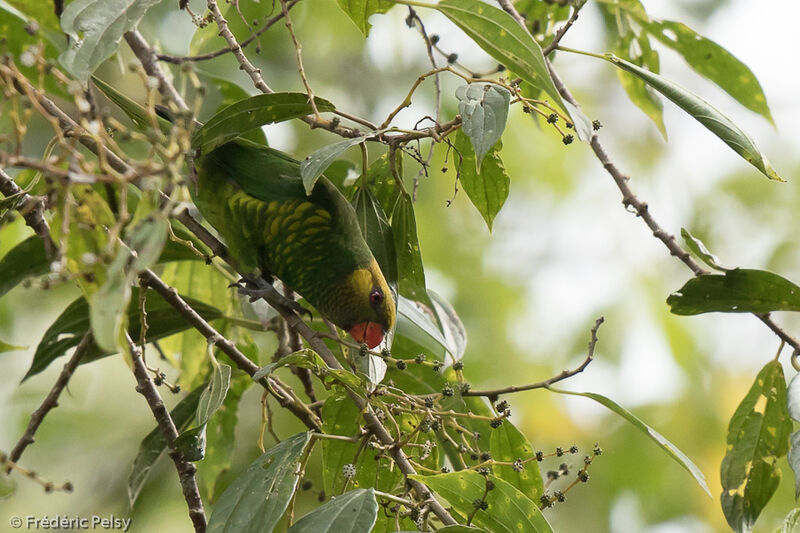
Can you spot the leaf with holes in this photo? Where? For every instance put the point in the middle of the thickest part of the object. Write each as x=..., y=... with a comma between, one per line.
x=758, y=435
x=360, y=11
x=740, y=290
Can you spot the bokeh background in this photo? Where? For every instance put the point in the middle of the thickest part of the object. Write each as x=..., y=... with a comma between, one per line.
x=562, y=252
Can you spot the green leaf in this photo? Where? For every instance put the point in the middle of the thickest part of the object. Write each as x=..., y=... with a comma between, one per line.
x=484, y=110
x=5, y=347
x=342, y=417
x=312, y=167
x=453, y=329
x=253, y=112
x=305, y=358
x=257, y=499
x=709, y=59
x=758, y=435
x=71, y=325
x=508, y=444
x=509, y=43
x=410, y=272
x=424, y=322
x=509, y=510
x=699, y=249
x=8, y=486
x=487, y=189
x=793, y=398
x=27, y=259
x=352, y=512
x=359, y=11
x=705, y=113
x=377, y=232
x=155, y=443
x=138, y=114
x=232, y=93
x=382, y=183
x=96, y=27
x=739, y=290
x=215, y=393
x=453, y=529
x=669, y=448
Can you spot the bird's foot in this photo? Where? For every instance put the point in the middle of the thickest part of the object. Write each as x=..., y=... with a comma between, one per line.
x=258, y=288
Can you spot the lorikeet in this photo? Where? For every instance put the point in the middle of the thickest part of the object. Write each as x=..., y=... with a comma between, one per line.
x=254, y=197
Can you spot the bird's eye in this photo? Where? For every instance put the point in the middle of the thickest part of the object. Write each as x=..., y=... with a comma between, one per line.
x=375, y=297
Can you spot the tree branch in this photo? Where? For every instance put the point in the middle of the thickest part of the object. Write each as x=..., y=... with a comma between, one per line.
x=30, y=208
x=149, y=61
x=494, y=394
x=50, y=401
x=186, y=470
x=277, y=389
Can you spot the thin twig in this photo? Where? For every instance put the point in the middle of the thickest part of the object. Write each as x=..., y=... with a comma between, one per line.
x=236, y=48
x=494, y=394
x=298, y=49
x=177, y=60
x=50, y=401
x=149, y=61
x=272, y=384
x=186, y=470
x=576, y=8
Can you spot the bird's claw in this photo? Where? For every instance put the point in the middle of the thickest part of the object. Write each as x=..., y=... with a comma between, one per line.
x=255, y=291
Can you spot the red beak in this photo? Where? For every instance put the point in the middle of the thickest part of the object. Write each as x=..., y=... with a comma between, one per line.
x=370, y=333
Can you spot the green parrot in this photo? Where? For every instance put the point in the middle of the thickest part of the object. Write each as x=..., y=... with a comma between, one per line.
x=254, y=197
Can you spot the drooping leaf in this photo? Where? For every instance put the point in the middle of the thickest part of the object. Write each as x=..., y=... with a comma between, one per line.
x=453, y=330
x=424, y=322
x=71, y=325
x=508, y=510
x=410, y=272
x=487, y=189
x=232, y=93
x=508, y=444
x=669, y=448
x=739, y=290
x=699, y=249
x=509, y=43
x=484, y=109
x=155, y=443
x=758, y=435
x=712, y=61
x=214, y=395
x=636, y=49
x=138, y=114
x=705, y=113
x=257, y=499
x=96, y=28
x=27, y=259
x=352, y=512
x=253, y=112
x=312, y=167
x=360, y=11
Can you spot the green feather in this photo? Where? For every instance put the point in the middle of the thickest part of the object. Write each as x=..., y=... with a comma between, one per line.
x=254, y=196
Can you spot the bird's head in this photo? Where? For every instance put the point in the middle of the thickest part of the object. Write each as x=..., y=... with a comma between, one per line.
x=370, y=307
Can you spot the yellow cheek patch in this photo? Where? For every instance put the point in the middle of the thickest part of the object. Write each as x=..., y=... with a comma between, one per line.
x=360, y=280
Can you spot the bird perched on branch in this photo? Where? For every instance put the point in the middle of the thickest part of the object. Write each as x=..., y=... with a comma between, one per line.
x=253, y=195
